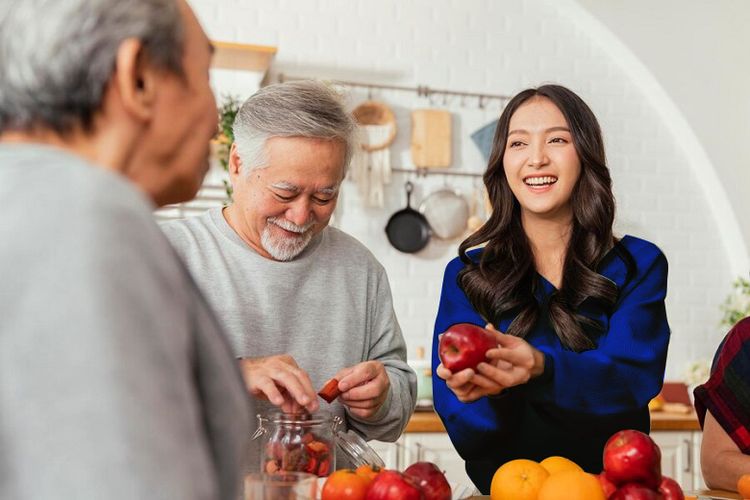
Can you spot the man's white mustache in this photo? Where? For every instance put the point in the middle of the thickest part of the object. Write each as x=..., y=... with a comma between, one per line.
x=290, y=226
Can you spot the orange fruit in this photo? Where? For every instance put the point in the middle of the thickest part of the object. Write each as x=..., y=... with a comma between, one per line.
x=571, y=485
x=743, y=486
x=518, y=479
x=559, y=464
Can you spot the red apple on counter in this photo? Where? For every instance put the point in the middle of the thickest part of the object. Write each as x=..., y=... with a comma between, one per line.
x=464, y=345
x=670, y=490
x=631, y=456
x=607, y=486
x=634, y=491
x=431, y=479
x=392, y=485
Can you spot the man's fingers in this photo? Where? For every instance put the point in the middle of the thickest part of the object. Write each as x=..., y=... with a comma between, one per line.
x=265, y=387
x=360, y=373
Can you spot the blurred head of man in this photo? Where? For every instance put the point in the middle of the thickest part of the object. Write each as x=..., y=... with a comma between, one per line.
x=123, y=84
x=293, y=143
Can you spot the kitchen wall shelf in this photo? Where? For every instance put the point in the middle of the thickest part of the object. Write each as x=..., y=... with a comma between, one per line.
x=424, y=172
x=421, y=91
x=241, y=56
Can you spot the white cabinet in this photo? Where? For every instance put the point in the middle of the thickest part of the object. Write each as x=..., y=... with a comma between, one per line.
x=391, y=453
x=433, y=447
x=436, y=447
x=680, y=457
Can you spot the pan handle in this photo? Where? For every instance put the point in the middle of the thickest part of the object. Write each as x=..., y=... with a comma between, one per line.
x=409, y=188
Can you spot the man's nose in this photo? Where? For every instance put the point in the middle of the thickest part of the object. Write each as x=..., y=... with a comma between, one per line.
x=299, y=212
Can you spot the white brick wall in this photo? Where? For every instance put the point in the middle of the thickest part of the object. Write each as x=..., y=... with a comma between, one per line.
x=496, y=47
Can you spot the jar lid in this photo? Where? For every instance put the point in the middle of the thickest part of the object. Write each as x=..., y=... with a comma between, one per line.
x=357, y=450
x=300, y=418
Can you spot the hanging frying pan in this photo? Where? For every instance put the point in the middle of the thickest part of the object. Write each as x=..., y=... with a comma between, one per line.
x=407, y=229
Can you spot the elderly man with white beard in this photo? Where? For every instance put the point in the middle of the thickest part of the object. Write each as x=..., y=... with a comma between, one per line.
x=302, y=302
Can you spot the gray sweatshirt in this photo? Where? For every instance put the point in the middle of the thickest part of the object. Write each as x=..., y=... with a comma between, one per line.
x=115, y=379
x=329, y=308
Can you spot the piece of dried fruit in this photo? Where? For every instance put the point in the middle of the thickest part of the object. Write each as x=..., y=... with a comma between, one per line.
x=330, y=391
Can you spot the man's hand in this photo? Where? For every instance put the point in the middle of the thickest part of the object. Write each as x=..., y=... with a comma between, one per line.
x=279, y=380
x=364, y=388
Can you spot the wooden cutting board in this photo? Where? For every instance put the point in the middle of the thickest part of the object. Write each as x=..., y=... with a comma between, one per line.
x=431, y=138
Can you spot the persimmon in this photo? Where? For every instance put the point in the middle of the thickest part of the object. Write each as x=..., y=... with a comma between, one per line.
x=368, y=472
x=743, y=486
x=344, y=484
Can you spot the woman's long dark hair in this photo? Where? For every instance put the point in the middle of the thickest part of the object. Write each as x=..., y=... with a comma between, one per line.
x=504, y=279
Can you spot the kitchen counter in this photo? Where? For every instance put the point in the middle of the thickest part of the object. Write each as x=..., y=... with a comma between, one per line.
x=428, y=421
x=689, y=495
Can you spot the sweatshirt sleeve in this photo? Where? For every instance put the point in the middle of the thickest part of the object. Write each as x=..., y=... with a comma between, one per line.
x=387, y=345
x=100, y=381
x=626, y=369
x=469, y=425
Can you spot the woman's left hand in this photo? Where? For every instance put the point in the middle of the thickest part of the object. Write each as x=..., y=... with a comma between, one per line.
x=513, y=362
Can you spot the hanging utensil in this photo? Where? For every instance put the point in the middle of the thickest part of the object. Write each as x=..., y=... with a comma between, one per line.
x=431, y=138
x=408, y=230
x=447, y=212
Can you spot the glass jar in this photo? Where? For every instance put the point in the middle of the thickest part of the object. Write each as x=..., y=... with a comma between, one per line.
x=304, y=442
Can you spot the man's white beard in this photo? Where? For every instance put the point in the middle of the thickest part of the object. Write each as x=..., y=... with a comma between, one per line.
x=281, y=248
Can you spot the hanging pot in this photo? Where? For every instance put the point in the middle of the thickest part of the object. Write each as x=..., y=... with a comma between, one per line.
x=447, y=213
x=408, y=230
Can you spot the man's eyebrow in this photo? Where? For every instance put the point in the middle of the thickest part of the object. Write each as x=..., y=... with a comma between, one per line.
x=328, y=190
x=286, y=186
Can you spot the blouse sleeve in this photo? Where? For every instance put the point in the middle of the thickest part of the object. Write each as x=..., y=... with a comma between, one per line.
x=469, y=425
x=626, y=369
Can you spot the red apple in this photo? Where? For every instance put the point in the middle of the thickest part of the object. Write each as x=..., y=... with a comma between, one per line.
x=632, y=457
x=607, y=486
x=432, y=481
x=670, y=490
x=464, y=345
x=634, y=491
x=392, y=485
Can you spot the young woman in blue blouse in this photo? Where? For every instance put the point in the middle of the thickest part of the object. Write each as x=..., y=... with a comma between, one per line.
x=584, y=329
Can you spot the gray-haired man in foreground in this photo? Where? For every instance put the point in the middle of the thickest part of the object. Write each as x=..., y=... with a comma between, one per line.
x=115, y=379
x=301, y=301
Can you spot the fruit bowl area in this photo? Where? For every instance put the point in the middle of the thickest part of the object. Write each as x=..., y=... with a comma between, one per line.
x=458, y=491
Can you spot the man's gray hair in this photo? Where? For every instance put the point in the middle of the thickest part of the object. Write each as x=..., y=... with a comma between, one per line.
x=57, y=56
x=302, y=108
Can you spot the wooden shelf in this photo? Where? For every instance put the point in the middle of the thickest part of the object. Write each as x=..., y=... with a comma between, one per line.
x=240, y=56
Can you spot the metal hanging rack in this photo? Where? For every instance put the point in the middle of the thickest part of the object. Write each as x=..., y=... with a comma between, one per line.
x=424, y=172
x=420, y=90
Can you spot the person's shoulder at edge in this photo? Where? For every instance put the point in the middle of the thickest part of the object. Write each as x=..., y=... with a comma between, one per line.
x=96, y=192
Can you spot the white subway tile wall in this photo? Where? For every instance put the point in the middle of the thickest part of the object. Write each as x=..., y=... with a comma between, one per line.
x=495, y=47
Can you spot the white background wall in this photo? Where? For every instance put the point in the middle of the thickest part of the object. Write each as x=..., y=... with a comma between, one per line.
x=503, y=47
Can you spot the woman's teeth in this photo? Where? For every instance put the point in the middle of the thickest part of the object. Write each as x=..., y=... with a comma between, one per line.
x=540, y=181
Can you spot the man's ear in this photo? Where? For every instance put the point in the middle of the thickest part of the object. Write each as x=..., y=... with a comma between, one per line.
x=235, y=162
x=135, y=79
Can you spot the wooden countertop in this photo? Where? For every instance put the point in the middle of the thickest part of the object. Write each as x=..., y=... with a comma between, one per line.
x=428, y=421
x=688, y=495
